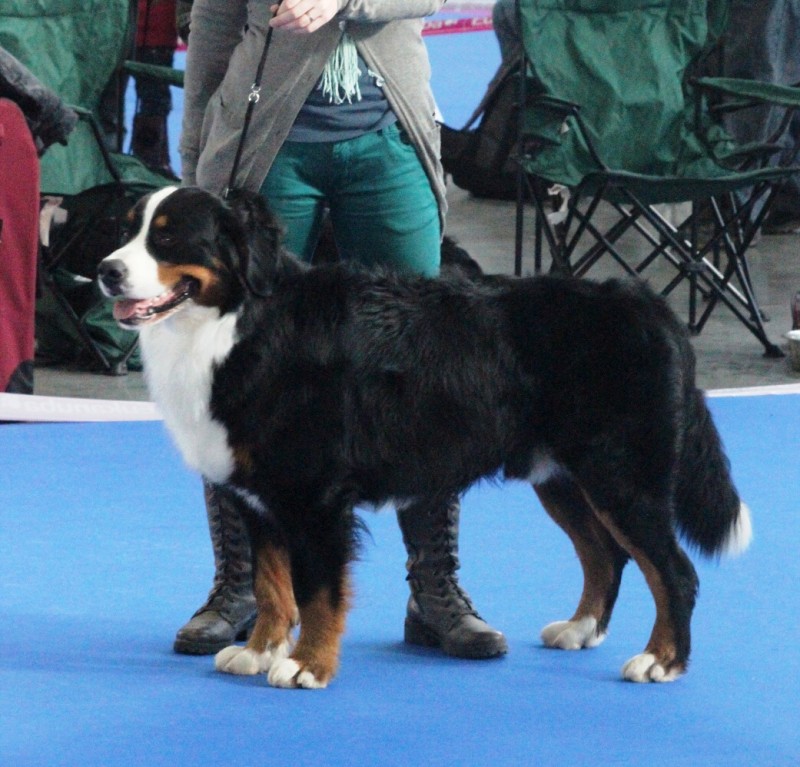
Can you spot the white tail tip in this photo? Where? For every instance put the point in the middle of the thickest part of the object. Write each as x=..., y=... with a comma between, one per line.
x=740, y=535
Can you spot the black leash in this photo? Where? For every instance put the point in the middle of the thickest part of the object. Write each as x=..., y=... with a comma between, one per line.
x=252, y=100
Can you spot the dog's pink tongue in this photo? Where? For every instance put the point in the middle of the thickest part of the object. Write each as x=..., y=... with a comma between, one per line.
x=125, y=309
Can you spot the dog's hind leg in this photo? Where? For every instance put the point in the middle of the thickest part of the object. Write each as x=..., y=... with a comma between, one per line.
x=645, y=531
x=601, y=558
x=270, y=641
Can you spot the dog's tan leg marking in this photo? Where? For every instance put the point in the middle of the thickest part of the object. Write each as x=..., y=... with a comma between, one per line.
x=590, y=542
x=657, y=662
x=270, y=641
x=315, y=659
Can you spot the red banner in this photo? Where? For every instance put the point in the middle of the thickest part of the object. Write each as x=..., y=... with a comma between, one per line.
x=453, y=26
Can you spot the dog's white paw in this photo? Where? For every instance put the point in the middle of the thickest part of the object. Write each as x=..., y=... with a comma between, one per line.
x=241, y=661
x=572, y=635
x=244, y=661
x=287, y=673
x=645, y=668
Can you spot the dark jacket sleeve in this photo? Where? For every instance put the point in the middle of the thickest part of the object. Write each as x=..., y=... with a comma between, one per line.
x=47, y=116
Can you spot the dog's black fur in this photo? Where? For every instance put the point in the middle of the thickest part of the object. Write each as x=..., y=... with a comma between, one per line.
x=346, y=387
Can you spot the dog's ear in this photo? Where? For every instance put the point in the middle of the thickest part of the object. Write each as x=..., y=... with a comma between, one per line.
x=256, y=236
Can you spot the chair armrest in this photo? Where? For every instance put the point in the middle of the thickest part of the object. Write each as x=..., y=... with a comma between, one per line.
x=166, y=75
x=739, y=93
x=94, y=125
x=750, y=92
x=546, y=119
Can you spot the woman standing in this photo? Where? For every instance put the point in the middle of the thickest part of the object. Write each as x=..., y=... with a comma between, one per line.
x=343, y=126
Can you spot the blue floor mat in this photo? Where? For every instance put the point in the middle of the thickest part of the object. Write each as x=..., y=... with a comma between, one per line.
x=105, y=553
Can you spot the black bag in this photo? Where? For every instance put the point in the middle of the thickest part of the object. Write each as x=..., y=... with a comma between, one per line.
x=479, y=159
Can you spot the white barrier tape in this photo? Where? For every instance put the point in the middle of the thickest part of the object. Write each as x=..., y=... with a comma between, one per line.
x=755, y=391
x=29, y=407
x=462, y=6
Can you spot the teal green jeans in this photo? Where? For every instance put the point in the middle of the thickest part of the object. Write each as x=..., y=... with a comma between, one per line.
x=381, y=204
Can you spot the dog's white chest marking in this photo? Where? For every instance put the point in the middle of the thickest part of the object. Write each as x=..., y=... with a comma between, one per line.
x=179, y=359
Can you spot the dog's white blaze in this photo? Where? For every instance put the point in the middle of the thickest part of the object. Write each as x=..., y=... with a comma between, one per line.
x=179, y=356
x=740, y=534
x=142, y=278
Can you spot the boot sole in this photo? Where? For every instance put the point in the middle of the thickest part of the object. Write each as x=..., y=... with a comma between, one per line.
x=195, y=647
x=481, y=647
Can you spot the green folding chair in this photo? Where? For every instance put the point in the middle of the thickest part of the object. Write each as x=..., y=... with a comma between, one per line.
x=614, y=114
x=77, y=47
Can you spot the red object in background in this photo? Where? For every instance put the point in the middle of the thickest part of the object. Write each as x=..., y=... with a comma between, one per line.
x=155, y=26
x=19, y=238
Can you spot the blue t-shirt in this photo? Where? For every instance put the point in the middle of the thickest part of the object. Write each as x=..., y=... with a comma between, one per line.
x=322, y=120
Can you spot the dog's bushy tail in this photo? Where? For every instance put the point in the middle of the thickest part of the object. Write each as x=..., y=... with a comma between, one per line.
x=709, y=512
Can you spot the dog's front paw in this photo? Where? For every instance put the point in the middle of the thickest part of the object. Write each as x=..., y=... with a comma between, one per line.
x=572, y=635
x=645, y=667
x=289, y=674
x=244, y=661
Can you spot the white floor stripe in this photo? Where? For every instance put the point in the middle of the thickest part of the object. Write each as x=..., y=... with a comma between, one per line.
x=29, y=407
x=755, y=391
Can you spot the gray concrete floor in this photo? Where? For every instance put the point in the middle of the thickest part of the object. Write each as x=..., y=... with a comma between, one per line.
x=728, y=355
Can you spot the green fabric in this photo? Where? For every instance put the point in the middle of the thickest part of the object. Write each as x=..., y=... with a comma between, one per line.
x=58, y=342
x=624, y=63
x=381, y=203
x=783, y=95
x=74, y=47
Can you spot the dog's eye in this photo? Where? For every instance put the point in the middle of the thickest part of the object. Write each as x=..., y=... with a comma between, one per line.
x=162, y=238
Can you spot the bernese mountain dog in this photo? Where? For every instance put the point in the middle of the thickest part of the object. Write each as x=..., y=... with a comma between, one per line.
x=313, y=391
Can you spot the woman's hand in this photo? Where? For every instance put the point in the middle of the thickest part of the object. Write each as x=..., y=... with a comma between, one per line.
x=303, y=16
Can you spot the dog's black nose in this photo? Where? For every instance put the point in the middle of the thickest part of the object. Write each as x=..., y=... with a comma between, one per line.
x=112, y=273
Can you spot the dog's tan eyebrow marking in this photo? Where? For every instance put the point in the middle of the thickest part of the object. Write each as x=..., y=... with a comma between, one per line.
x=160, y=221
x=130, y=215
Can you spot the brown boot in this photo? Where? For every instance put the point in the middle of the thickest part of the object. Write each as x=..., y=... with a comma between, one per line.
x=440, y=613
x=230, y=610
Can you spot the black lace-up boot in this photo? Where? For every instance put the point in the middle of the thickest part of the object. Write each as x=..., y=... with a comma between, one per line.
x=230, y=610
x=440, y=614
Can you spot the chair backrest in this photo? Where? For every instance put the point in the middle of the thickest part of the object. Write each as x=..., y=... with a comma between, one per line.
x=74, y=47
x=624, y=62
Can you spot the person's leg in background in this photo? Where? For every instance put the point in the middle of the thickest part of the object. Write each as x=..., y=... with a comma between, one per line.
x=763, y=43
x=156, y=38
x=294, y=191
x=229, y=612
x=383, y=212
x=230, y=608
x=382, y=207
x=149, y=139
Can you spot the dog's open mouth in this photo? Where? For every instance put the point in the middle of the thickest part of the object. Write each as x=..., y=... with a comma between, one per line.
x=131, y=312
